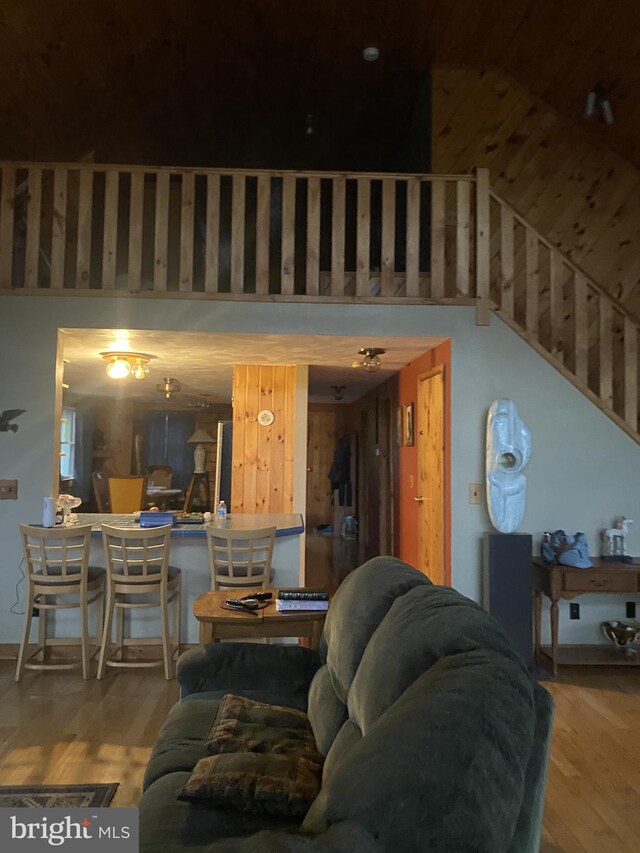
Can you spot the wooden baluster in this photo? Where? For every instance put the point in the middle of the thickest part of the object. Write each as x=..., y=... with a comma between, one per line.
x=59, y=228
x=312, y=286
x=110, y=240
x=7, y=199
x=506, y=261
x=136, y=208
x=363, y=237
x=388, y=260
x=287, y=285
x=463, y=236
x=337, y=237
x=483, y=249
x=237, y=233
x=263, y=221
x=161, y=237
x=212, y=234
x=532, y=282
x=606, y=352
x=85, y=210
x=438, y=236
x=187, y=212
x=581, y=329
x=412, y=287
x=555, y=303
x=32, y=250
x=631, y=373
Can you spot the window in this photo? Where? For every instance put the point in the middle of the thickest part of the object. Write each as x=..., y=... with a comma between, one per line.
x=68, y=443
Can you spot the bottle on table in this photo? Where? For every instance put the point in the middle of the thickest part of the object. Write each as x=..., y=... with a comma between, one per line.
x=222, y=510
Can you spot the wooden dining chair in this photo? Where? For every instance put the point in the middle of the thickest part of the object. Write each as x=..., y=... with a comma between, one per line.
x=240, y=557
x=59, y=578
x=139, y=576
x=127, y=493
x=101, y=491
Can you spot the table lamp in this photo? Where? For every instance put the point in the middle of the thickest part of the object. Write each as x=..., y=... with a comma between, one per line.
x=200, y=438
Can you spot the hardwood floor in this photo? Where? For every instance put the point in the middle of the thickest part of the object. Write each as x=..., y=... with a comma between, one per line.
x=57, y=728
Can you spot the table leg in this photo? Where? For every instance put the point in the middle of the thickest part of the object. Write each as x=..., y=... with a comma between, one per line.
x=316, y=633
x=206, y=633
x=553, y=613
x=537, y=624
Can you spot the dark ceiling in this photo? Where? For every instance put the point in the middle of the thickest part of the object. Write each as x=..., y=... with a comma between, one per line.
x=213, y=82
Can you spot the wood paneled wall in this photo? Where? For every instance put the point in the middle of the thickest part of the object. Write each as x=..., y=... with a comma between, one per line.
x=262, y=478
x=580, y=195
x=326, y=427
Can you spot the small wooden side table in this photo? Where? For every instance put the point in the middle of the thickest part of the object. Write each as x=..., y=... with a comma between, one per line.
x=218, y=624
x=565, y=582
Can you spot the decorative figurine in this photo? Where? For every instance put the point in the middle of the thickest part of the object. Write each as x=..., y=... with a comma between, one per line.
x=508, y=450
x=614, y=541
x=623, y=635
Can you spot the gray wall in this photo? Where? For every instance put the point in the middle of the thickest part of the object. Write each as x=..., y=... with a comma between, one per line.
x=583, y=469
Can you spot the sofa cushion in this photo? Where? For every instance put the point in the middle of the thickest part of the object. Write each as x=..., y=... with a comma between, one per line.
x=257, y=783
x=443, y=768
x=244, y=725
x=326, y=712
x=357, y=609
x=422, y=626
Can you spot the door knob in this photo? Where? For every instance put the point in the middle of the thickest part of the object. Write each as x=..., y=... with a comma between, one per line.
x=419, y=499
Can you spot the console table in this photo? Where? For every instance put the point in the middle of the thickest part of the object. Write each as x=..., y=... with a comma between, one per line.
x=558, y=582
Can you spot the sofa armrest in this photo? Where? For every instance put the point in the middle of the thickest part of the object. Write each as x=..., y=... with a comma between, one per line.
x=247, y=666
x=343, y=837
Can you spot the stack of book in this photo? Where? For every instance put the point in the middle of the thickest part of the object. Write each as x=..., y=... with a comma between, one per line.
x=301, y=598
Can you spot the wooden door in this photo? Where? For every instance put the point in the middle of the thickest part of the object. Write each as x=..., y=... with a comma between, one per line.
x=431, y=471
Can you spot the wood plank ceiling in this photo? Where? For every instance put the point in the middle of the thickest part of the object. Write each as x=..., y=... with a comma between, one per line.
x=189, y=82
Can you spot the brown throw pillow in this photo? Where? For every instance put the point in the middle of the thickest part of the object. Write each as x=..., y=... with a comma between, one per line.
x=279, y=785
x=245, y=725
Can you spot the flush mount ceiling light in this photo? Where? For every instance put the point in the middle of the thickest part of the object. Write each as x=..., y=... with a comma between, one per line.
x=337, y=391
x=123, y=364
x=169, y=387
x=369, y=360
x=371, y=53
x=598, y=101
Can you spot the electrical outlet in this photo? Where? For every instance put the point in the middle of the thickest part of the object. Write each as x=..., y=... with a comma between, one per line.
x=8, y=490
x=631, y=610
x=475, y=493
x=574, y=610
x=35, y=613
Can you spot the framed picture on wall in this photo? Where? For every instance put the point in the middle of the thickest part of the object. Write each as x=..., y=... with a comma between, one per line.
x=408, y=425
x=399, y=427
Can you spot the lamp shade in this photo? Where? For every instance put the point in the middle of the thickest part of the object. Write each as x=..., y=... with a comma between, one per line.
x=201, y=436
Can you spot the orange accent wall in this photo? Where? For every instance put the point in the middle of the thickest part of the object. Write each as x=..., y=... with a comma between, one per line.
x=406, y=509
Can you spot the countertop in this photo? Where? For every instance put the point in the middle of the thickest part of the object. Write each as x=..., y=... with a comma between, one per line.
x=285, y=524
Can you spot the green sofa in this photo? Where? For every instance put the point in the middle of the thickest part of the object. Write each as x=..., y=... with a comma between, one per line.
x=436, y=737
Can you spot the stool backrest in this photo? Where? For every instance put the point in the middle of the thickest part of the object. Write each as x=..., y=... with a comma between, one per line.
x=139, y=553
x=240, y=557
x=56, y=551
x=127, y=494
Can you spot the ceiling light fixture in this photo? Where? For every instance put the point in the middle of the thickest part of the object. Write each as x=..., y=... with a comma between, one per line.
x=337, y=391
x=369, y=360
x=598, y=99
x=371, y=53
x=123, y=364
x=169, y=387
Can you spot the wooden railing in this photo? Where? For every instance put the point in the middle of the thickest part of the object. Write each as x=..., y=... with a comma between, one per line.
x=565, y=315
x=132, y=229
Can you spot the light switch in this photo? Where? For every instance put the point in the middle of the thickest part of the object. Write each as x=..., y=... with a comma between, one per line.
x=475, y=493
x=8, y=490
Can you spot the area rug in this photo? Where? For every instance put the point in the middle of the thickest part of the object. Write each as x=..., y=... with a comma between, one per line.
x=57, y=796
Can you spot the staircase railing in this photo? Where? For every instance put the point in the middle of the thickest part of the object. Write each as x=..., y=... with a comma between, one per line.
x=565, y=315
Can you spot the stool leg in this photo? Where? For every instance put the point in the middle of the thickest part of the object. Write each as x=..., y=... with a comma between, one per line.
x=100, y=619
x=176, y=616
x=28, y=609
x=42, y=628
x=120, y=630
x=166, y=638
x=106, y=634
x=84, y=631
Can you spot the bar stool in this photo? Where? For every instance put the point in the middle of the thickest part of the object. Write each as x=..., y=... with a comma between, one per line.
x=139, y=576
x=240, y=557
x=57, y=569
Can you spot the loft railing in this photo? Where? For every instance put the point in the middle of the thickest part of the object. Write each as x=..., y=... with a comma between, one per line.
x=132, y=229
x=565, y=315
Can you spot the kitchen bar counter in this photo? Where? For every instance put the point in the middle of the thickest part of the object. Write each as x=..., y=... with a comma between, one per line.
x=189, y=553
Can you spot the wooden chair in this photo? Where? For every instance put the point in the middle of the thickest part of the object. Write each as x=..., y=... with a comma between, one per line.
x=101, y=491
x=139, y=576
x=240, y=557
x=59, y=578
x=160, y=475
x=127, y=493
